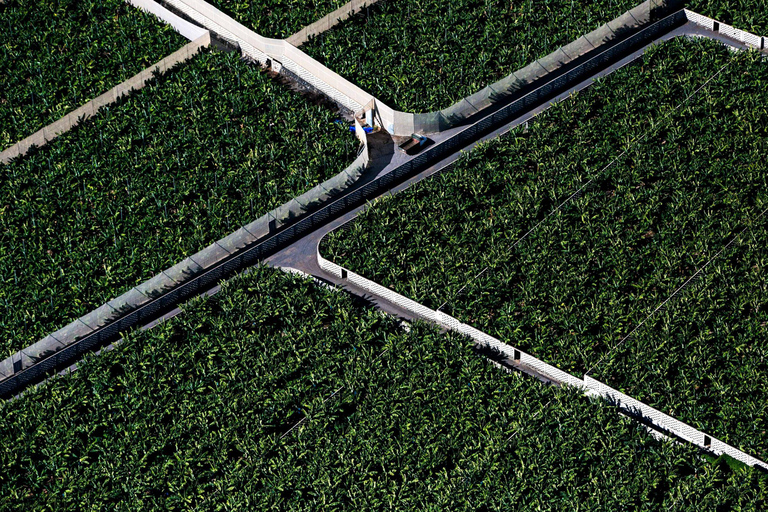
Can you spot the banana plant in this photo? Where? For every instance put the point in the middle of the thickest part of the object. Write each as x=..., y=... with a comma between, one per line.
x=57, y=55
x=152, y=180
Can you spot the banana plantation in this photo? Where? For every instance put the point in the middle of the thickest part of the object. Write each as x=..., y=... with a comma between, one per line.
x=58, y=54
x=537, y=241
x=256, y=279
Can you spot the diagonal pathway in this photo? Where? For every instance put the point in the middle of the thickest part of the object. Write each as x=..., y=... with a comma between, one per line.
x=295, y=244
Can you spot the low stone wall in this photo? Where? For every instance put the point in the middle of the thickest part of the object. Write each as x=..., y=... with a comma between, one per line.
x=48, y=133
x=749, y=39
x=329, y=21
x=590, y=386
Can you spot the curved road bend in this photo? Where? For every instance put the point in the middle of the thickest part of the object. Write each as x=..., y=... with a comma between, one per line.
x=302, y=253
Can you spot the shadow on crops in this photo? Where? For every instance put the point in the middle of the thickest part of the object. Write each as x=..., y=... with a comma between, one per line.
x=535, y=76
x=44, y=354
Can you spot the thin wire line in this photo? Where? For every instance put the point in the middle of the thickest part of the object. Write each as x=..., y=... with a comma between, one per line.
x=581, y=189
x=679, y=289
x=531, y=418
x=305, y=418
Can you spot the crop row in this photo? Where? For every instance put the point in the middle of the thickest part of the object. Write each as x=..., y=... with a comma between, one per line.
x=595, y=268
x=277, y=18
x=210, y=147
x=58, y=54
x=425, y=56
x=200, y=412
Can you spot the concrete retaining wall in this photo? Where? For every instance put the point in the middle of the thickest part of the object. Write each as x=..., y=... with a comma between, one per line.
x=182, y=26
x=741, y=36
x=540, y=70
x=48, y=133
x=590, y=386
x=116, y=312
x=698, y=19
x=669, y=424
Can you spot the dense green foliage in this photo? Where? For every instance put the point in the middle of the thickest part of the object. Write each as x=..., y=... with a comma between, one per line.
x=212, y=146
x=199, y=412
x=592, y=271
x=424, y=56
x=56, y=55
x=277, y=18
x=705, y=358
x=749, y=15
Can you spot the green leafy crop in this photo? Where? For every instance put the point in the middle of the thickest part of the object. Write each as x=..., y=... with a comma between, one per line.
x=210, y=147
x=56, y=55
x=594, y=269
x=278, y=394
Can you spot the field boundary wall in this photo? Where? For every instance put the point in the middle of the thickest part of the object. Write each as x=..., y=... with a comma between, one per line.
x=633, y=408
x=136, y=82
x=749, y=39
x=278, y=227
x=329, y=21
x=182, y=279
